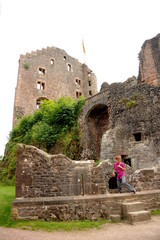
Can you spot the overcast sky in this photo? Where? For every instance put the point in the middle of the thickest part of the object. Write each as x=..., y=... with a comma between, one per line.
x=113, y=32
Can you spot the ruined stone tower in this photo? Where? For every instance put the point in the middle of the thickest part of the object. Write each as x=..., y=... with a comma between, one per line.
x=149, y=67
x=123, y=118
x=50, y=74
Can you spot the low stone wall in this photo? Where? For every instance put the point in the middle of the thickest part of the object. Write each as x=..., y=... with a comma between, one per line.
x=146, y=179
x=53, y=187
x=80, y=207
x=39, y=174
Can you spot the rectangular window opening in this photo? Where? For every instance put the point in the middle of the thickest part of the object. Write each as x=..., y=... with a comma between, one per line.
x=78, y=82
x=41, y=71
x=78, y=94
x=127, y=161
x=38, y=85
x=90, y=93
x=42, y=86
x=137, y=137
x=69, y=67
x=89, y=83
x=52, y=61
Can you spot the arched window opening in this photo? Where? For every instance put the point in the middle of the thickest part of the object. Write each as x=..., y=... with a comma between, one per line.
x=39, y=101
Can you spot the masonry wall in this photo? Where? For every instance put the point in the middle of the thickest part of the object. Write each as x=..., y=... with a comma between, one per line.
x=131, y=110
x=53, y=187
x=39, y=174
x=50, y=74
x=149, y=56
x=80, y=208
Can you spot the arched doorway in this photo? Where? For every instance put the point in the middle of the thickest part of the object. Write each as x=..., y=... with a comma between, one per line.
x=97, y=121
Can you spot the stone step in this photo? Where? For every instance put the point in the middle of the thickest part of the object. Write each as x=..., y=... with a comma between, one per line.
x=138, y=216
x=131, y=207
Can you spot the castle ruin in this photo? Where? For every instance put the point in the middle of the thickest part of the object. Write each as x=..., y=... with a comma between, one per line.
x=50, y=74
x=123, y=118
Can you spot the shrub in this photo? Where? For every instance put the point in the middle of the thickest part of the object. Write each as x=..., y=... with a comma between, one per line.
x=53, y=127
x=26, y=65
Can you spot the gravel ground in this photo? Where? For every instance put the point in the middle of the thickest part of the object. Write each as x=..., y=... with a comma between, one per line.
x=140, y=231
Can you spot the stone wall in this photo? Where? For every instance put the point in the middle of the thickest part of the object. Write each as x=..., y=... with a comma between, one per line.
x=123, y=118
x=53, y=187
x=131, y=124
x=149, y=67
x=50, y=74
x=147, y=178
x=80, y=207
x=39, y=174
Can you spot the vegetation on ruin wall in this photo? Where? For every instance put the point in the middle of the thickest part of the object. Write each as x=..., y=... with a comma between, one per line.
x=132, y=101
x=53, y=128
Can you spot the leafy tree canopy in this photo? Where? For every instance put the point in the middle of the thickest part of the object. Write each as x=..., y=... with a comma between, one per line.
x=53, y=127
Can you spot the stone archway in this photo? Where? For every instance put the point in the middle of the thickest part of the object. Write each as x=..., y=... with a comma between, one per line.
x=97, y=121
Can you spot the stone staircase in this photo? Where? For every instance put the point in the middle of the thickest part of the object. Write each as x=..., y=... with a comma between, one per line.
x=133, y=212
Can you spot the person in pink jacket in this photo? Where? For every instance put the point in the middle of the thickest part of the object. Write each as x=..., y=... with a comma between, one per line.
x=119, y=170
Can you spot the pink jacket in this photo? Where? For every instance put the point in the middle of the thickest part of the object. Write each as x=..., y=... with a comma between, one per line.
x=119, y=171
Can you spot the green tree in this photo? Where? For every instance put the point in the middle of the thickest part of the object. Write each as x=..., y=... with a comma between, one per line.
x=53, y=128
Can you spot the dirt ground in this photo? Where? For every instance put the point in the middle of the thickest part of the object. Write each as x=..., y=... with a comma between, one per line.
x=140, y=231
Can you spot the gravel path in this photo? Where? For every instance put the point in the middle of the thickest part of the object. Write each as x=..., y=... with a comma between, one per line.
x=140, y=231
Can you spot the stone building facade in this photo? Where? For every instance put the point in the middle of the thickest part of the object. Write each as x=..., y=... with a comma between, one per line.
x=50, y=74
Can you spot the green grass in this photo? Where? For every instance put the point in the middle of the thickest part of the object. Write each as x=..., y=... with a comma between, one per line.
x=7, y=195
x=58, y=226
x=155, y=212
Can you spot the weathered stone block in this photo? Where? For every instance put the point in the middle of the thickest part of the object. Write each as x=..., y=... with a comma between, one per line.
x=134, y=217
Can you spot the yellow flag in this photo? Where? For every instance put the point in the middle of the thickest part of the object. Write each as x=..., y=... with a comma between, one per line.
x=84, y=50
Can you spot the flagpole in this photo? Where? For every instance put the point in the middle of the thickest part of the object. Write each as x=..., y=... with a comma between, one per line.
x=84, y=50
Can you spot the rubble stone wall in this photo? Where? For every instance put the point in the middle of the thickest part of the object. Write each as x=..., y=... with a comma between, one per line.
x=39, y=174
x=132, y=124
x=53, y=187
x=80, y=207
